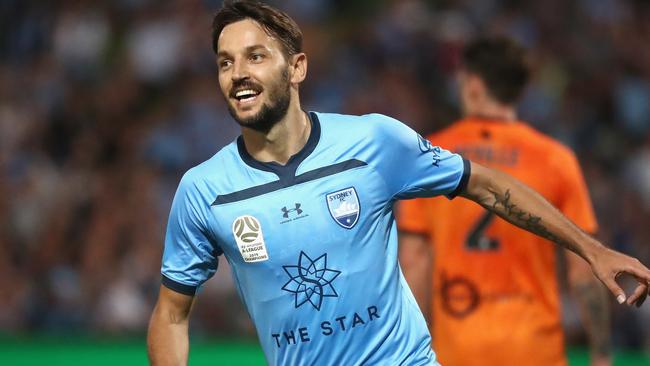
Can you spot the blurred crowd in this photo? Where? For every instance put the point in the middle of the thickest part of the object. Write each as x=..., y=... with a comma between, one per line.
x=104, y=105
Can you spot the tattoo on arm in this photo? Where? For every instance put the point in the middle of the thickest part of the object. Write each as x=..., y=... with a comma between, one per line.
x=534, y=224
x=591, y=297
x=595, y=307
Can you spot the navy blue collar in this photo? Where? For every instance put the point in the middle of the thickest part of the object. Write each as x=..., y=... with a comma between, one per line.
x=287, y=171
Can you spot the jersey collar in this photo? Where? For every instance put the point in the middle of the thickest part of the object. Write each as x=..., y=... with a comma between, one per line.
x=289, y=169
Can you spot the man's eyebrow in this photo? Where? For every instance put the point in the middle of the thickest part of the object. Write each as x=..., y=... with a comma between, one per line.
x=247, y=50
x=254, y=47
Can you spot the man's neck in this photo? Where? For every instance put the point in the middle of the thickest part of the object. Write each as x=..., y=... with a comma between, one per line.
x=284, y=140
x=494, y=111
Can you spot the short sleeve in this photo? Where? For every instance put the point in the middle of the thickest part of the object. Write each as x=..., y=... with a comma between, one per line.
x=189, y=257
x=412, y=167
x=575, y=202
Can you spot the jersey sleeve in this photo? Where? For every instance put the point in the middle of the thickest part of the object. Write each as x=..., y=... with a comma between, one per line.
x=190, y=256
x=412, y=167
x=574, y=195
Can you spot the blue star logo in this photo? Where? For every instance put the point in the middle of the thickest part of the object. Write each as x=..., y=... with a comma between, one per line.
x=310, y=281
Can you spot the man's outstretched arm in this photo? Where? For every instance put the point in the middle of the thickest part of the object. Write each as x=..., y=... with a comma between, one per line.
x=525, y=208
x=168, y=339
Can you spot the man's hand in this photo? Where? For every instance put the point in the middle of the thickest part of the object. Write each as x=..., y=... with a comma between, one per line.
x=608, y=265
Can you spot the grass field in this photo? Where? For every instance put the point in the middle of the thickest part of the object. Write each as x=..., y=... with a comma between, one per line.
x=52, y=351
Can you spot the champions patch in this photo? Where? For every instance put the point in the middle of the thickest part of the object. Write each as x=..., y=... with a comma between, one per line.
x=344, y=207
x=250, y=239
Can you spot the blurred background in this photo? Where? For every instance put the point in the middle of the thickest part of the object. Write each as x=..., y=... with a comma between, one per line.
x=105, y=104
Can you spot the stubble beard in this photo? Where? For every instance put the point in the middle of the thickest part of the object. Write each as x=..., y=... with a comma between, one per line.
x=272, y=112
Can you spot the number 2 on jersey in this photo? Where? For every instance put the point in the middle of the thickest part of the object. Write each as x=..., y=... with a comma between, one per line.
x=476, y=238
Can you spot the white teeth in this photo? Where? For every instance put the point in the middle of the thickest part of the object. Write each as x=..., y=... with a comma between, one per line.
x=245, y=93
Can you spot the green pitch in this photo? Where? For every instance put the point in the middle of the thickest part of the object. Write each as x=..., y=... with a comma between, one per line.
x=80, y=351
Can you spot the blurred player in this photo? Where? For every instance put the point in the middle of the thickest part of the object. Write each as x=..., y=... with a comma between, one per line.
x=495, y=297
x=301, y=207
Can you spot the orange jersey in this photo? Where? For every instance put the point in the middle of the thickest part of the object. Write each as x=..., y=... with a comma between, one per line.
x=496, y=299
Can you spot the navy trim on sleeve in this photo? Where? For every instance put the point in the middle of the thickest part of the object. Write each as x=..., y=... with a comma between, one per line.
x=467, y=171
x=178, y=287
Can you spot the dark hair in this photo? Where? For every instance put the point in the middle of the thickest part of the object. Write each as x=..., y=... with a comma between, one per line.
x=501, y=64
x=276, y=23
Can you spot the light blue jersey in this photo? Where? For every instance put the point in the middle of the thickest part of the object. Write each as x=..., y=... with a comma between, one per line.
x=313, y=244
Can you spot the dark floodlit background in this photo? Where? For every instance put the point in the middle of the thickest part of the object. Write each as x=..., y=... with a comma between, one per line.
x=104, y=105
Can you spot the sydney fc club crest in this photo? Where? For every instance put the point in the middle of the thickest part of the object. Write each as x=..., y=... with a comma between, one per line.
x=344, y=207
x=310, y=281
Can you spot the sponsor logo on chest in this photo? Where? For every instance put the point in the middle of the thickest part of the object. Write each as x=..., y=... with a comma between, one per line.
x=293, y=213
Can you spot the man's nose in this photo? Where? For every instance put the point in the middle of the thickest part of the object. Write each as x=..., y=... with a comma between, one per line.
x=240, y=71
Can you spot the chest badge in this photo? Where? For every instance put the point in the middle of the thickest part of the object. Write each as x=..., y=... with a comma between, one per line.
x=250, y=239
x=344, y=207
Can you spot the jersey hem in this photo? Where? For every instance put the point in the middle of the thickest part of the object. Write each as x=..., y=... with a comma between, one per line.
x=178, y=287
x=467, y=171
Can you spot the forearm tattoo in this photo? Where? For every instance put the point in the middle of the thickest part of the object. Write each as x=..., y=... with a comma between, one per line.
x=526, y=220
x=594, y=304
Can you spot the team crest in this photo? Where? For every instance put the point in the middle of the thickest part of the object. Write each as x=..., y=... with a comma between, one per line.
x=344, y=207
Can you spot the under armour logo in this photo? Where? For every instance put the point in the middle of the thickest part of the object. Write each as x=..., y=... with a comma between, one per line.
x=285, y=211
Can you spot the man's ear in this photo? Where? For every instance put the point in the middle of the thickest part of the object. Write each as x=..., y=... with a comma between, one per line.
x=475, y=88
x=475, y=84
x=298, y=68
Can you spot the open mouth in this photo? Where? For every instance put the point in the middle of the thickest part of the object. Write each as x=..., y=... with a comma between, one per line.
x=246, y=95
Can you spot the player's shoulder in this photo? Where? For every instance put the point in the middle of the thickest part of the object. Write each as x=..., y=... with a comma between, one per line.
x=547, y=143
x=545, y=149
x=516, y=133
x=450, y=132
x=372, y=121
x=364, y=131
x=213, y=169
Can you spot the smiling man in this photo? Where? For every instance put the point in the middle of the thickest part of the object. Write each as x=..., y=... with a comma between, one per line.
x=300, y=205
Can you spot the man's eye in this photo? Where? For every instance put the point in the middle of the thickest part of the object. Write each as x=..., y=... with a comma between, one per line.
x=256, y=57
x=225, y=64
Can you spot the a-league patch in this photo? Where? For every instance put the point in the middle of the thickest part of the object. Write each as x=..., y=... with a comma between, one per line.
x=344, y=207
x=250, y=239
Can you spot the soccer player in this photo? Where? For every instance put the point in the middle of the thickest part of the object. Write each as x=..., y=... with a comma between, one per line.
x=300, y=205
x=494, y=299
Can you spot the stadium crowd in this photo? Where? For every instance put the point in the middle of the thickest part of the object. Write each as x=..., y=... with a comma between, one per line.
x=104, y=105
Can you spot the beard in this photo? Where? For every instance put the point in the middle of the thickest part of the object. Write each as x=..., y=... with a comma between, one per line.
x=271, y=112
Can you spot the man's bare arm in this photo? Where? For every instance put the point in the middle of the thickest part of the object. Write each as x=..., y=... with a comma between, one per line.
x=527, y=209
x=415, y=260
x=593, y=304
x=168, y=339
